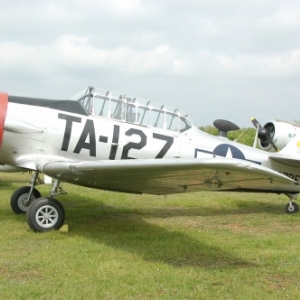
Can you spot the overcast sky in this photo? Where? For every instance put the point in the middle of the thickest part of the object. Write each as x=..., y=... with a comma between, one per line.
x=230, y=59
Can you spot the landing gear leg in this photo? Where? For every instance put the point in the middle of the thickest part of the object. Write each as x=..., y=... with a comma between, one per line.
x=57, y=189
x=46, y=213
x=292, y=207
x=23, y=196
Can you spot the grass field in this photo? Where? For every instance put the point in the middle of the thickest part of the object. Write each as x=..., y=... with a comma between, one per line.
x=120, y=246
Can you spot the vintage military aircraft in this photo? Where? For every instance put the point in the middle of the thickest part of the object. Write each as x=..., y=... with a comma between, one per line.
x=113, y=142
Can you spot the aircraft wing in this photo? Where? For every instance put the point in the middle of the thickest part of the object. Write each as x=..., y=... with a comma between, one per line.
x=167, y=176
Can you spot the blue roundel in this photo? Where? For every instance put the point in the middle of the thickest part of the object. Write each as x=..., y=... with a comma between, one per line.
x=228, y=151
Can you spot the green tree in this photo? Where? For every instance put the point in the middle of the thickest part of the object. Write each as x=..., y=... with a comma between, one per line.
x=245, y=135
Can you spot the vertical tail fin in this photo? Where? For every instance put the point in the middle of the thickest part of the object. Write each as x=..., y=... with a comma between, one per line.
x=292, y=148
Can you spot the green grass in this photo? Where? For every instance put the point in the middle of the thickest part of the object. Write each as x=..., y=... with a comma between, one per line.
x=121, y=246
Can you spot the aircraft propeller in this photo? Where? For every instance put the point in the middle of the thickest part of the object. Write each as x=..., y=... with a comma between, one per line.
x=265, y=134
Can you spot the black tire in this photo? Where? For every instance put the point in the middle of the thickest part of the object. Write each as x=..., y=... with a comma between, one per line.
x=293, y=209
x=45, y=214
x=18, y=198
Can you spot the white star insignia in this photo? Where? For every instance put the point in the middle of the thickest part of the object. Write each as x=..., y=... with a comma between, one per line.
x=229, y=153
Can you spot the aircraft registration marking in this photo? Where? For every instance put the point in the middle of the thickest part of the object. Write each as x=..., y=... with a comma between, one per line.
x=115, y=142
x=87, y=139
x=290, y=175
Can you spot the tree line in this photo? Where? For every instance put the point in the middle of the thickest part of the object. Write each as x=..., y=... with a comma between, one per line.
x=244, y=135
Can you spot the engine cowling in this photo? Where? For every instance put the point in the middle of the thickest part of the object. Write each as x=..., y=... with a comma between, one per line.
x=276, y=133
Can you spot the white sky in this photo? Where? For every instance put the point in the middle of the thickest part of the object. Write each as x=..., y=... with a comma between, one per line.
x=230, y=59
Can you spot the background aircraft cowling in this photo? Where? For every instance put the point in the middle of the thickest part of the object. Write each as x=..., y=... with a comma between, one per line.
x=275, y=134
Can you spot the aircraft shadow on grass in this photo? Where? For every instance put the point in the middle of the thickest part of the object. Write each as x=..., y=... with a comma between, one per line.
x=5, y=184
x=258, y=207
x=129, y=230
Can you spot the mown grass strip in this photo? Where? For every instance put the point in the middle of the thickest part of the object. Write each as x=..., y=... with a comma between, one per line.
x=120, y=246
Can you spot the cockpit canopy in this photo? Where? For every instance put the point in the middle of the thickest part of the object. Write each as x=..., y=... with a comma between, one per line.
x=132, y=110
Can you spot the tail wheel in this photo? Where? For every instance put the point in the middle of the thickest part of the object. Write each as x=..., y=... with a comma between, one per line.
x=19, y=199
x=45, y=214
x=292, y=208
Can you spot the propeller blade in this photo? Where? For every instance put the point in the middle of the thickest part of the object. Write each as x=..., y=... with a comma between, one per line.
x=258, y=127
x=256, y=138
x=255, y=123
x=274, y=146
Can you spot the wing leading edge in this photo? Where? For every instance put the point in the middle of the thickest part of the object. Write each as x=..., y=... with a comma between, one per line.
x=168, y=176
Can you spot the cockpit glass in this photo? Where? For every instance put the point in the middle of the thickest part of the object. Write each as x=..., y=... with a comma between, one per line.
x=101, y=103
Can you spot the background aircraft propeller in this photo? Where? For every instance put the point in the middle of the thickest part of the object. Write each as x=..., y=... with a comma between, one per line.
x=265, y=134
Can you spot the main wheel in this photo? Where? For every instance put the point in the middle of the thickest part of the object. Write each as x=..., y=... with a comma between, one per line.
x=45, y=214
x=292, y=209
x=19, y=198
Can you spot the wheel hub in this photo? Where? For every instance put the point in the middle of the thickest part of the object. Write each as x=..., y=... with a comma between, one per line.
x=23, y=202
x=46, y=216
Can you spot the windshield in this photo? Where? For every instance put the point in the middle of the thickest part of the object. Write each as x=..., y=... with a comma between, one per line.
x=132, y=110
